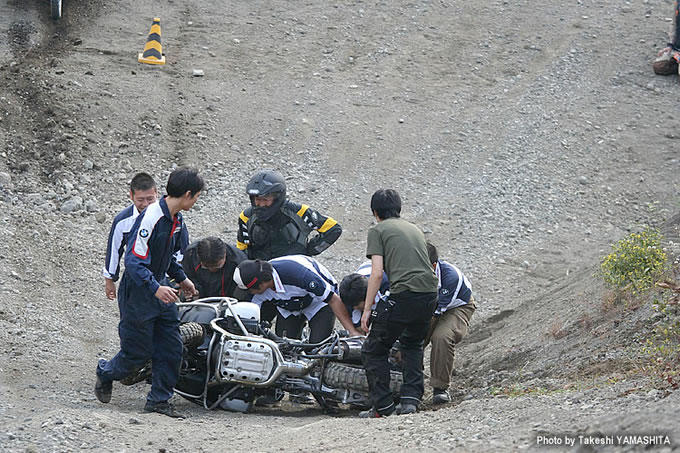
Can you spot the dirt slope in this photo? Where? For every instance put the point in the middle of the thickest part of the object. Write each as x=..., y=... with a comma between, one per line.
x=525, y=137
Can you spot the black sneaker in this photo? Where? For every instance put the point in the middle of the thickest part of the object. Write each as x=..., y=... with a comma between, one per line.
x=440, y=396
x=103, y=389
x=164, y=408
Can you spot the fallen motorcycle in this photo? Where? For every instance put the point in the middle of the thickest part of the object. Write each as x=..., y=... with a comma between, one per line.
x=231, y=358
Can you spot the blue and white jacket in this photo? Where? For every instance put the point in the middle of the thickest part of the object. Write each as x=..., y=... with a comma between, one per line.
x=454, y=288
x=384, y=290
x=118, y=238
x=302, y=286
x=154, y=240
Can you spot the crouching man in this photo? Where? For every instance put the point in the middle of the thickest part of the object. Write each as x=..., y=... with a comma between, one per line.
x=450, y=323
x=353, y=289
x=210, y=263
x=301, y=288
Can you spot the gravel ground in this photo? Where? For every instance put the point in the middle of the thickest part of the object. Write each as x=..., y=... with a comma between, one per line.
x=524, y=137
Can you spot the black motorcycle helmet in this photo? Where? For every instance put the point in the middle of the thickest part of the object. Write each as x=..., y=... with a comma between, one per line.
x=263, y=183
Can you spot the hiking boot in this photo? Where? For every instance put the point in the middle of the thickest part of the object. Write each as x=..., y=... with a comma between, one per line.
x=164, y=408
x=103, y=389
x=372, y=413
x=406, y=408
x=440, y=396
x=666, y=62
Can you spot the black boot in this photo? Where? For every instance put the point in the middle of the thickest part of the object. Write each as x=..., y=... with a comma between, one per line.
x=164, y=408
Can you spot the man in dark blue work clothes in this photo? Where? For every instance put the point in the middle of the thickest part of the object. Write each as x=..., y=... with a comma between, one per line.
x=149, y=321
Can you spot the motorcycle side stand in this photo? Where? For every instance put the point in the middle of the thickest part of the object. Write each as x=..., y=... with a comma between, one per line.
x=328, y=409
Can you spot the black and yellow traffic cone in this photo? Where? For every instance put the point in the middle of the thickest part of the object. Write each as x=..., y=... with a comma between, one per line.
x=153, y=50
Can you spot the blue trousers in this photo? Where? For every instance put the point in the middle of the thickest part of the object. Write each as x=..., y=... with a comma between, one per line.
x=148, y=330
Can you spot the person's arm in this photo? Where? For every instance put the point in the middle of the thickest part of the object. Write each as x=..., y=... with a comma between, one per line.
x=189, y=289
x=374, y=281
x=341, y=313
x=183, y=243
x=175, y=270
x=110, y=288
x=242, y=239
x=138, y=257
x=234, y=258
x=327, y=228
x=114, y=248
x=318, y=287
x=190, y=266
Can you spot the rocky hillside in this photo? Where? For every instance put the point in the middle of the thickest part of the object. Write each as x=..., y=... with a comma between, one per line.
x=525, y=138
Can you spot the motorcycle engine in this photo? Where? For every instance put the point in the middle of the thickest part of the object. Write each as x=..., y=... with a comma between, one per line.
x=244, y=361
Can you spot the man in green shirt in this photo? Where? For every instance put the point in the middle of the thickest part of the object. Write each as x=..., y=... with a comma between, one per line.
x=399, y=248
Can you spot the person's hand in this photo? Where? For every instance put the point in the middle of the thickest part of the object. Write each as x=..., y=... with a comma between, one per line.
x=110, y=289
x=166, y=294
x=189, y=289
x=662, y=51
x=365, y=317
x=355, y=332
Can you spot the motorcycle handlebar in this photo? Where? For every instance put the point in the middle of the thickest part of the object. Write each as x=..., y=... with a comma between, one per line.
x=294, y=342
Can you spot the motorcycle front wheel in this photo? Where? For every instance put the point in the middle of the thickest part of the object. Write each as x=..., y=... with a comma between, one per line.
x=192, y=335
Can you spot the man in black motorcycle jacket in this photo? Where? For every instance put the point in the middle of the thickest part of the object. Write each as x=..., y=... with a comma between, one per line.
x=274, y=226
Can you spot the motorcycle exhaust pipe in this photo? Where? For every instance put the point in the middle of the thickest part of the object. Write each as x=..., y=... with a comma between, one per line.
x=349, y=350
x=296, y=369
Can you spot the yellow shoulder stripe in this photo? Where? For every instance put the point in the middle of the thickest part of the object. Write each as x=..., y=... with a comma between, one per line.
x=327, y=225
x=302, y=210
x=243, y=217
x=241, y=245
